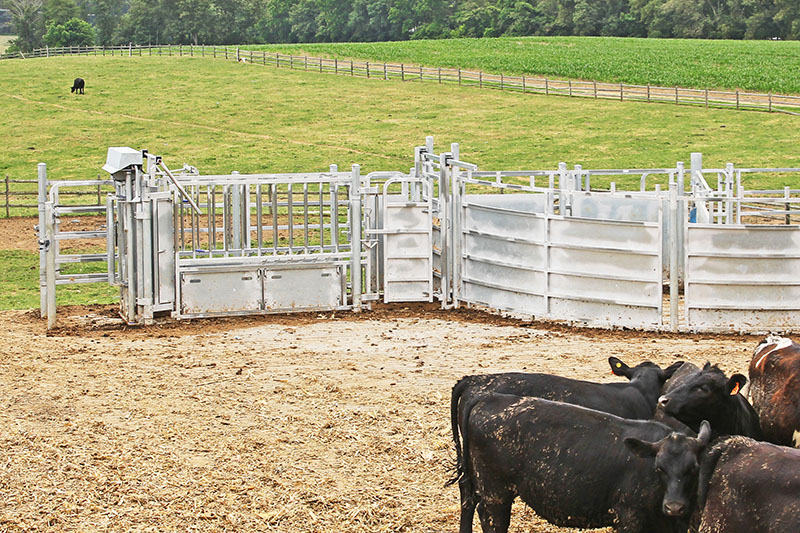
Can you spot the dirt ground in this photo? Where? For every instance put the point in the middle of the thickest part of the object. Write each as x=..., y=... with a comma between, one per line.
x=304, y=423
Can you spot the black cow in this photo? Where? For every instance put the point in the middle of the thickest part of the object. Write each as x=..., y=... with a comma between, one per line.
x=633, y=399
x=570, y=465
x=775, y=389
x=77, y=86
x=709, y=395
x=751, y=486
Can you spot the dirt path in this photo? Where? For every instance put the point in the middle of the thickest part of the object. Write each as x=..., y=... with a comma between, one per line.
x=295, y=424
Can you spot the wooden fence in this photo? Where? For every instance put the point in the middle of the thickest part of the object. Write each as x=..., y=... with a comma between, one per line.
x=572, y=88
x=26, y=198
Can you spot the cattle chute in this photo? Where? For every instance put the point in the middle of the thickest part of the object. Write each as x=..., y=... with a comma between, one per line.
x=674, y=254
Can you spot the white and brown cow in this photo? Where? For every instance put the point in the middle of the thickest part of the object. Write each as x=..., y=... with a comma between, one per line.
x=775, y=389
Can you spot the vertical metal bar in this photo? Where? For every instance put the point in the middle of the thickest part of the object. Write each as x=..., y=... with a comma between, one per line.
x=259, y=215
x=212, y=217
x=674, y=250
x=444, y=227
x=110, y=264
x=321, y=216
x=225, y=218
x=355, y=237
x=50, y=266
x=334, y=217
x=131, y=252
x=195, y=193
x=274, y=197
x=236, y=214
x=305, y=217
x=290, y=213
x=42, y=178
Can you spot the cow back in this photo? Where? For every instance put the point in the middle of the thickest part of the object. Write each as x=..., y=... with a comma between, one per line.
x=775, y=389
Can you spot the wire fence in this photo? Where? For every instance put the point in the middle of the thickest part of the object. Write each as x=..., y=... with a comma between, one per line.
x=622, y=92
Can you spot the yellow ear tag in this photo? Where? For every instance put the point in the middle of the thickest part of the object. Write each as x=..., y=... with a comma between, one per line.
x=735, y=390
x=619, y=365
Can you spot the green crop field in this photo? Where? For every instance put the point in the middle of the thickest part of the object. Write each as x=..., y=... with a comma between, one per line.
x=222, y=116
x=761, y=66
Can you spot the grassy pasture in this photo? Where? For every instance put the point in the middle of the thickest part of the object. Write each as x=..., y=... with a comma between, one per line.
x=221, y=116
x=761, y=66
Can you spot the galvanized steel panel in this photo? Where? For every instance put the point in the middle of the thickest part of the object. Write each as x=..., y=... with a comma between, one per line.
x=753, y=297
x=529, y=227
x=604, y=313
x=610, y=263
x=615, y=207
x=406, y=291
x=528, y=202
x=768, y=240
x=644, y=293
x=744, y=269
x=220, y=292
x=744, y=320
x=498, y=249
x=741, y=278
x=314, y=288
x=408, y=269
x=508, y=276
x=599, y=234
x=506, y=300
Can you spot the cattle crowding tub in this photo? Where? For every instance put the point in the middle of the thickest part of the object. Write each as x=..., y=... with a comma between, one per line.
x=540, y=243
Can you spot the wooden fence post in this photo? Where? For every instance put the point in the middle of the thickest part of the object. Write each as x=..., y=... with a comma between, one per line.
x=546, y=87
x=620, y=92
x=402, y=72
x=770, y=101
x=7, y=200
x=737, y=98
x=367, y=69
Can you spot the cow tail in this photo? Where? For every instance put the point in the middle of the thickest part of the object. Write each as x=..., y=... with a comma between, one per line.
x=455, y=398
x=465, y=475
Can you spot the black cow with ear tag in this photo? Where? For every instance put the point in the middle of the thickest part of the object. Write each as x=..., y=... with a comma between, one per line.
x=710, y=395
x=634, y=399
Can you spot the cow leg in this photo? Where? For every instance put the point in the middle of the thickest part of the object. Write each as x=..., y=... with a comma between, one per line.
x=495, y=513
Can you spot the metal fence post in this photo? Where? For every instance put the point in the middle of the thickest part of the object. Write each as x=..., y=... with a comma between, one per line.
x=50, y=266
x=355, y=237
x=674, y=250
x=8, y=214
x=42, y=175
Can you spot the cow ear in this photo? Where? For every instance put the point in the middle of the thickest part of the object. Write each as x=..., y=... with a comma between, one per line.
x=671, y=369
x=618, y=368
x=705, y=432
x=707, y=365
x=736, y=383
x=641, y=448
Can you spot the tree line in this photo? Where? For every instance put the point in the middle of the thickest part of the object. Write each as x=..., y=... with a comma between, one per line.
x=111, y=22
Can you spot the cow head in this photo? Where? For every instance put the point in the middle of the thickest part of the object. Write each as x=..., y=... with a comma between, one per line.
x=647, y=376
x=676, y=463
x=702, y=396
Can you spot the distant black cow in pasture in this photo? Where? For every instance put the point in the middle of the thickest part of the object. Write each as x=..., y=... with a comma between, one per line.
x=751, y=486
x=77, y=86
x=709, y=395
x=775, y=389
x=574, y=466
x=635, y=398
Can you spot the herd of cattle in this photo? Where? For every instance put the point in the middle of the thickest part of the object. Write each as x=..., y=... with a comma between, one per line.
x=670, y=450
